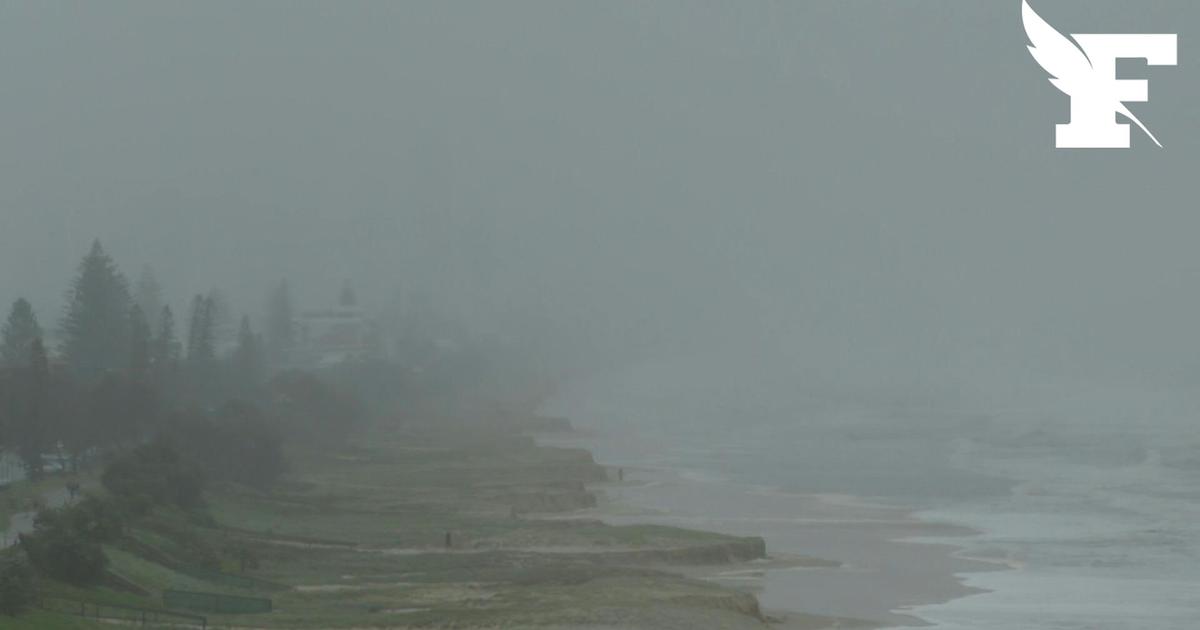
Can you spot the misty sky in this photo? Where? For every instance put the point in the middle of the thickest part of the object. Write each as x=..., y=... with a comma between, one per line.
x=858, y=188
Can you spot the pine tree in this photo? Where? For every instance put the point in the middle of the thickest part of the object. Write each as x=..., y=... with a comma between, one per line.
x=39, y=366
x=200, y=349
x=139, y=344
x=148, y=295
x=95, y=327
x=34, y=400
x=195, y=316
x=18, y=333
x=281, y=326
x=221, y=314
x=166, y=346
x=247, y=358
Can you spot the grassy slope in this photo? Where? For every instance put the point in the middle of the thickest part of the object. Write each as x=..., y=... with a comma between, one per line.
x=389, y=502
x=359, y=531
x=49, y=621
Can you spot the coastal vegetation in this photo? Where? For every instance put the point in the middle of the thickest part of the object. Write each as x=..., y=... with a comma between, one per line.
x=228, y=480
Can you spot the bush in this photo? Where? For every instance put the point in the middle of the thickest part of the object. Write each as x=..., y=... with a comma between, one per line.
x=65, y=544
x=238, y=445
x=17, y=591
x=310, y=409
x=100, y=520
x=154, y=474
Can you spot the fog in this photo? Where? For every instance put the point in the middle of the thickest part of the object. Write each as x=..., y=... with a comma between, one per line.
x=853, y=193
x=809, y=275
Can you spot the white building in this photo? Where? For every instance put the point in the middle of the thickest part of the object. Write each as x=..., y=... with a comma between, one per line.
x=336, y=335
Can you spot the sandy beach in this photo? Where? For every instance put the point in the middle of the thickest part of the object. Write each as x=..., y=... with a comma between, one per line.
x=833, y=556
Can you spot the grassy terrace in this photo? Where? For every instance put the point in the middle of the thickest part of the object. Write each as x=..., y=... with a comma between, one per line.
x=50, y=621
x=358, y=533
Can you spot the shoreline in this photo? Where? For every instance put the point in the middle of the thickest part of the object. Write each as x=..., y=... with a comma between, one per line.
x=855, y=563
x=496, y=528
x=427, y=525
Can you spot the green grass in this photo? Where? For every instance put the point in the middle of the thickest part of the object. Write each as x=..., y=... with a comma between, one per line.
x=40, y=620
x=94, y=595
x=388, y=504
x=155, y=577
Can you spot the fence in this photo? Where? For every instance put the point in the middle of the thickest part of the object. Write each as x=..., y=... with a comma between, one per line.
x=216, y=602
x=117, y=612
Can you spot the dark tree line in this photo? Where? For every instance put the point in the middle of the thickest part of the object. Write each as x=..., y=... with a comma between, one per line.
x=124, y=373
x=166, y=412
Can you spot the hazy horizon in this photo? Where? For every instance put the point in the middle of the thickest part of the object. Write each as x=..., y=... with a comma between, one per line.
x=863, y=191
x=675, y=314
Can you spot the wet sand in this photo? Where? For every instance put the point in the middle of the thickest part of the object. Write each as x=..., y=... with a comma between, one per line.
x=879, y=573
x=876, y=573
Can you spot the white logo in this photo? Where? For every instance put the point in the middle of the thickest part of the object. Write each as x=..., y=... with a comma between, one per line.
x=1086, y=71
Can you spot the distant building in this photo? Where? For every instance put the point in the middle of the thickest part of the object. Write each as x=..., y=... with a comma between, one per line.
x=12, y=469
x=336, y=335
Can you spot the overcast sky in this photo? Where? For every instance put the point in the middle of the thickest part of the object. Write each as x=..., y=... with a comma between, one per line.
x=861, y=188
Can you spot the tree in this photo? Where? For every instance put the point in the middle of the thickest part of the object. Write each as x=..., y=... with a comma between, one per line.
x=66, y=542
x=153, y=474
x=139, y=344
x=18, y=334
x=222, y=318
x=237, y=444
x=95, y=328
x=121, y=410
x=206, y=374
x=17, y=591
x=166, y=350
x=247, y=359
x=280, y=324
x=25, y=391
x=312, y=410
x=147, y=293
x=38, y=407
x=201, y=341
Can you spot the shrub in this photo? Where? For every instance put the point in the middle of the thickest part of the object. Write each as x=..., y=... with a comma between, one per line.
x=237, y=444
x=16, y=584
x=154, y=474
x=100, y=520
x=310, y=409
x=65, y=544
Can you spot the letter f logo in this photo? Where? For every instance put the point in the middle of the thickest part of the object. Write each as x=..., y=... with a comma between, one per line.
x=1087, y=73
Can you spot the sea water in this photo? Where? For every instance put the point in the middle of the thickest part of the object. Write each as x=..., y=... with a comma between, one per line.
x=1094, y=543
x=1091, y=506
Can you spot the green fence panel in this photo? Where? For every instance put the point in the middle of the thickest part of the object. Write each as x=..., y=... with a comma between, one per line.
x=216, y=603
x=120, y=613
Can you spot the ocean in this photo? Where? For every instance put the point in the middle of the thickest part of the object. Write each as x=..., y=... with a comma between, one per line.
x=1084, y=508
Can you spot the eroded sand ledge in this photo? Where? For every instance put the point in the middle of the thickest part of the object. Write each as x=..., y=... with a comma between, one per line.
x=838, y=556
x=361, y=534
